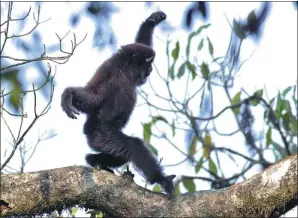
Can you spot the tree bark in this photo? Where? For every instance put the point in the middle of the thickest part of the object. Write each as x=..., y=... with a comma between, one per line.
x=267, y=194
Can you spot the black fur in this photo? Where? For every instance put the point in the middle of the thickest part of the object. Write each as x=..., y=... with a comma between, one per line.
x=109, y=99
x=146, y=30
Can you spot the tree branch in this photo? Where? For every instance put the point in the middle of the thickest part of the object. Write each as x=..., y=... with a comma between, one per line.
x=267, y=194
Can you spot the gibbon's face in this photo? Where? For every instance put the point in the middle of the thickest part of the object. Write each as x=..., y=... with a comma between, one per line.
x=143, y=66
x=141, y=59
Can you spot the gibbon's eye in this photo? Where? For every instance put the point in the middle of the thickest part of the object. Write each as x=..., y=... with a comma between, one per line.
x=135, y=57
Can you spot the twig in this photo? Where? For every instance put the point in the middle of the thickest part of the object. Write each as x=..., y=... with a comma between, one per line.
x=30, y=31
x=18, y=19
x=18, y=141
x=43, y=57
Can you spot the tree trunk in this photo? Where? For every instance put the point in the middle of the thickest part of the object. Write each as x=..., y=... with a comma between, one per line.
x=267, y=194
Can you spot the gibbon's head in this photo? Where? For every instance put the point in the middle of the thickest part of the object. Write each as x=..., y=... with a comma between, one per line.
x=138, y=58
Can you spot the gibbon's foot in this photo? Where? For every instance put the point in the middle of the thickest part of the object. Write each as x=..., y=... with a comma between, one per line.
x=98, y=167
x=167, y=184
x=91, y=160
x=156, y=17
x=106, y=169
x=128, y=173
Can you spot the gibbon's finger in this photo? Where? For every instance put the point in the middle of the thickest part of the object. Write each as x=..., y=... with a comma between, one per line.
x=75, y=111
x=71, y=115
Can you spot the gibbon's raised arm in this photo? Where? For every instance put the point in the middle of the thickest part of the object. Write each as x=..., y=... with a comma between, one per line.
x=145, y=32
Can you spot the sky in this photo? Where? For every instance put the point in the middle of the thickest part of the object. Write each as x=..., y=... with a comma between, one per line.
x=274, y=64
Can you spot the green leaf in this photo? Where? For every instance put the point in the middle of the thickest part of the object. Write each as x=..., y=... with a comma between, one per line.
x=279, y=106
x=153, y=149
x=12, y=78
x=156, y=188
x=201, y=44
x=158, y=118
x=285, y=92
x=147, y=132
x=252, y=18
x=192, y=69
x=193, y=145
x=177, y=189
x=268, y=137
x=287, y=107
x=212, y=166
x=207, y=145
x=181, y=70
x=216, y=59
x=168, y=58
x=258, y=93
x=175, y=52
x=238, y=30
x=99, y=215
x=168, y=48
x=210, y=47
x=202, y=98
x=172, y=71
x=199, y=165
x=286, y=121
x=189, y=185
x=74, y=210
x=173, y=128
x=236, y=100
x=205, y=71
x=193, y=34
x=279, y=148
x=294, y=125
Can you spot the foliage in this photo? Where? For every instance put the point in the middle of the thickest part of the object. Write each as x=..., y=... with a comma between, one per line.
x=204, y=152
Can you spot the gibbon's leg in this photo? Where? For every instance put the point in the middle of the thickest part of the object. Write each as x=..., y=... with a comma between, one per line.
x=104, y=161
x=75, y=99
x=114, y=142
x=145, y=32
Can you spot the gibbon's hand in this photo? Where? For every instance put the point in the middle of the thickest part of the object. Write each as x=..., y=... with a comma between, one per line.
x=156, y=17
x=67, y=105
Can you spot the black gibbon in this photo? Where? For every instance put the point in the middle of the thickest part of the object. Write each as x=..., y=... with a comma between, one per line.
x=108, y=100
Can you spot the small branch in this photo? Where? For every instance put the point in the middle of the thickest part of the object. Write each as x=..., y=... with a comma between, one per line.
x=176, y=164
x=7, y=27
x=49, y=78
x=21, y=137
x=245, y=101
x=43, y=57
x=18, y=19
x=30, y=31
x=239, y=154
